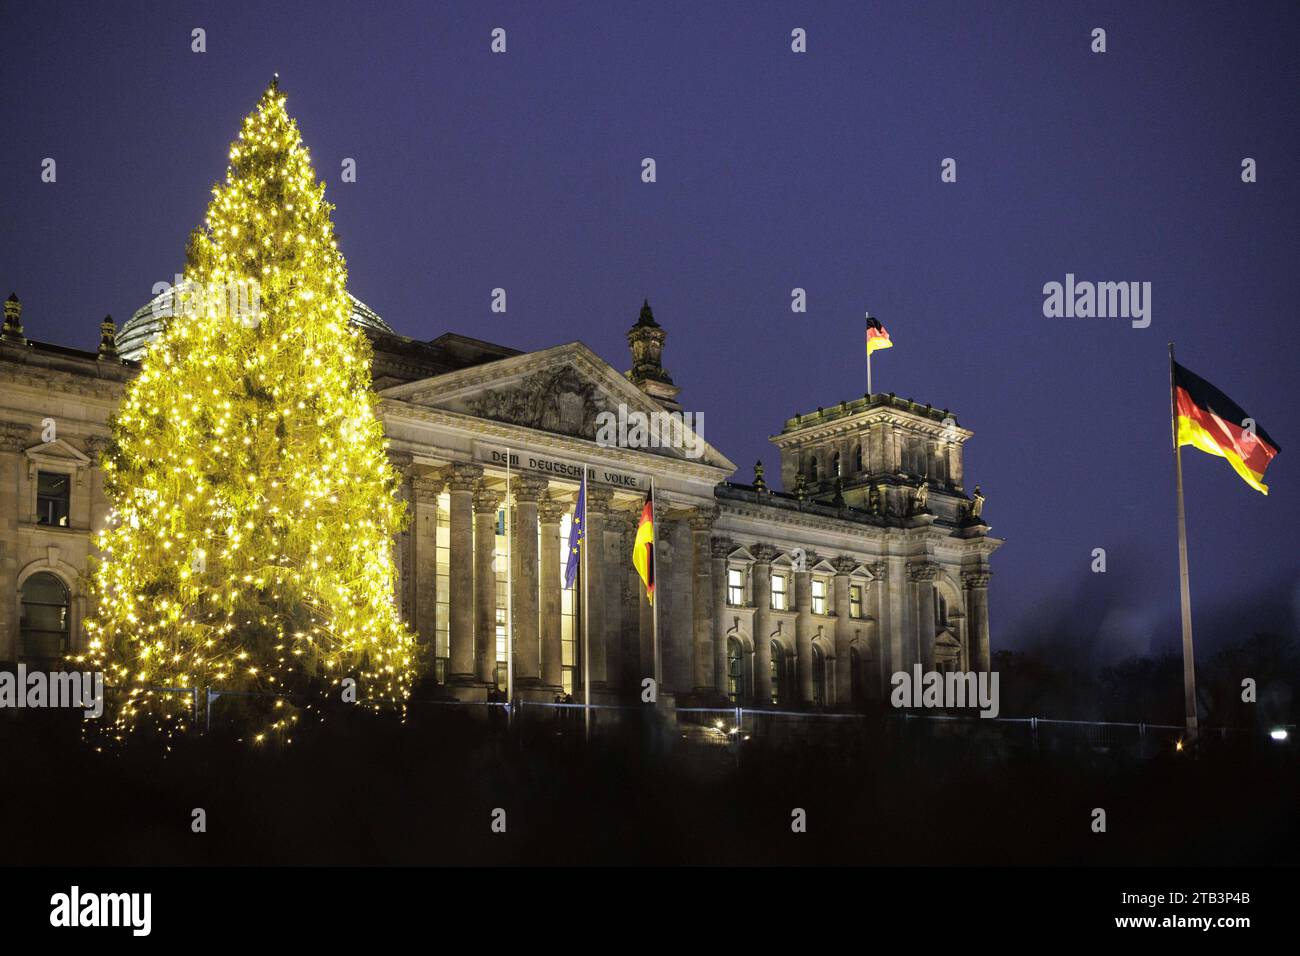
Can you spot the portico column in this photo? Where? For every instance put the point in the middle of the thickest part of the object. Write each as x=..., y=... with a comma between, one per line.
x=886, y=656
x=922, y=575
x=525, y=623
x=598, y=501
x=976, y=585
x=803, y=631
x=844, y=624
x=702, y=601
x=424, y=532
x=486, y=503
x=460, y=576
x=401, y=462
x=550, y=513
x=763, y=554
x=633, y=667
x=13, y=438
x=720, y=548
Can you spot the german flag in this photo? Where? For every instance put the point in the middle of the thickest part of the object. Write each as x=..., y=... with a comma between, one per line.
x=877, y=337
x=1214, y=423
x=643, y=549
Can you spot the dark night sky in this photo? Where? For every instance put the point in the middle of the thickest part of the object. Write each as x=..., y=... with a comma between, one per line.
x=775, y=170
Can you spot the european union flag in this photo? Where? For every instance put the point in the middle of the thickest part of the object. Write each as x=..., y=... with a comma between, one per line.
x=577, y=533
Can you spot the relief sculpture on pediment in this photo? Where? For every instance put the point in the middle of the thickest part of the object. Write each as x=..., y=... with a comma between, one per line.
x=557, y=400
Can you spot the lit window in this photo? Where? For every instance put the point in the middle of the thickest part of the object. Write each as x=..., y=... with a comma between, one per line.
x=568, y=613
x=819, y=595
x=778, y=592
x=442, y=614
x=778, y=665
x=736, y=587
x=855, y=600
x=735, y=671
x=52, y=490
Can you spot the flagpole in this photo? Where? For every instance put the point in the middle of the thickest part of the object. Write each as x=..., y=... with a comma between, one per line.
x=1189, y=659
x=510, y=607
x=586, y=630
x=868, y=342
x=654, y=603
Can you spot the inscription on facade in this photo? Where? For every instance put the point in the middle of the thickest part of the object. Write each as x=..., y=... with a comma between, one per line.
x=553, y=467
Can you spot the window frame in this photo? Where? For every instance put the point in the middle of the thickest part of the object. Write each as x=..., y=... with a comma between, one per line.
x=68, y=477
x=784, y=591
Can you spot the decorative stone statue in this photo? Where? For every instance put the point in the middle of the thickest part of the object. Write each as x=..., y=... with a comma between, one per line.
x=977, y=503
x=801, y=486
x=922, y=499
x=873, y=499
x=759, y=484
x=838, y=501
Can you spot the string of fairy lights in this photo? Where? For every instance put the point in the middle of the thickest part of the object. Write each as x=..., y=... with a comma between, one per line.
x=253, y=509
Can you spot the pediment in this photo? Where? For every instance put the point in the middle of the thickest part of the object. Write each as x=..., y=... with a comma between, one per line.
x=563, y=390
x=946, y=638
x=56, y=452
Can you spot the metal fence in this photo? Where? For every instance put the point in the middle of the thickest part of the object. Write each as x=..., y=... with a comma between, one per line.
x=733, y=726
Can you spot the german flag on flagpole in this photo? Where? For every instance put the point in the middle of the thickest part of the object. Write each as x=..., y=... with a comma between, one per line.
x=1214, y=423
x=877, y=337
x=643, y=549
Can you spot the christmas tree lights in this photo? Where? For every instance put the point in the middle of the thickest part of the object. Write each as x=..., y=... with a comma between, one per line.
x=249, y=548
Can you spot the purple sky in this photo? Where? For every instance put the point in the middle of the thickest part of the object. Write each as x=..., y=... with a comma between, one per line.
x=775, y=170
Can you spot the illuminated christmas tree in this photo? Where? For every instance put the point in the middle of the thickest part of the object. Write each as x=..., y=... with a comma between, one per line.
x=250, y=543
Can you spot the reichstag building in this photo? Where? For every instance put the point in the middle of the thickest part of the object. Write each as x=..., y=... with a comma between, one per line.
x=873, y=558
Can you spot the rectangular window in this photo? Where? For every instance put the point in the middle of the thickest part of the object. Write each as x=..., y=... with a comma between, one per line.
x=442, y=613
x=778, y=592
x=855, y=600
x=502, y=590
x=52, y=496
x=568, y=612
x=736, y=587
x=819, y=595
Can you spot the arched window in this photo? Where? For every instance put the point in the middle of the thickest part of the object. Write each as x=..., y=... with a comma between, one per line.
x=735, y=670
x=45, y=622
x=857, y=459
x=812, y=468
x=818, y=676
x=855, y=675
x=778, y=670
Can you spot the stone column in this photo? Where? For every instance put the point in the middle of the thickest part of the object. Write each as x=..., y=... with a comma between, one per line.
x=401, y=463
x=720, y=548
x=678, y=592
x=550, y=513
x=803, y=632
x=763, y=555
x=486, y=502
x=525, y=568
x=922, y=575
x=976, y=585
x=702, y=602
x=844, y=624
x=424, y=533
x=885, y=656
x=96, y=448
x=598, y=501
x=611, y=553
x=460, y=578
x=13, y=439
x=634, y=664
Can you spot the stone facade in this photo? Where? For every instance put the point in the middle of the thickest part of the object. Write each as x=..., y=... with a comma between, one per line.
x=808, y=597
